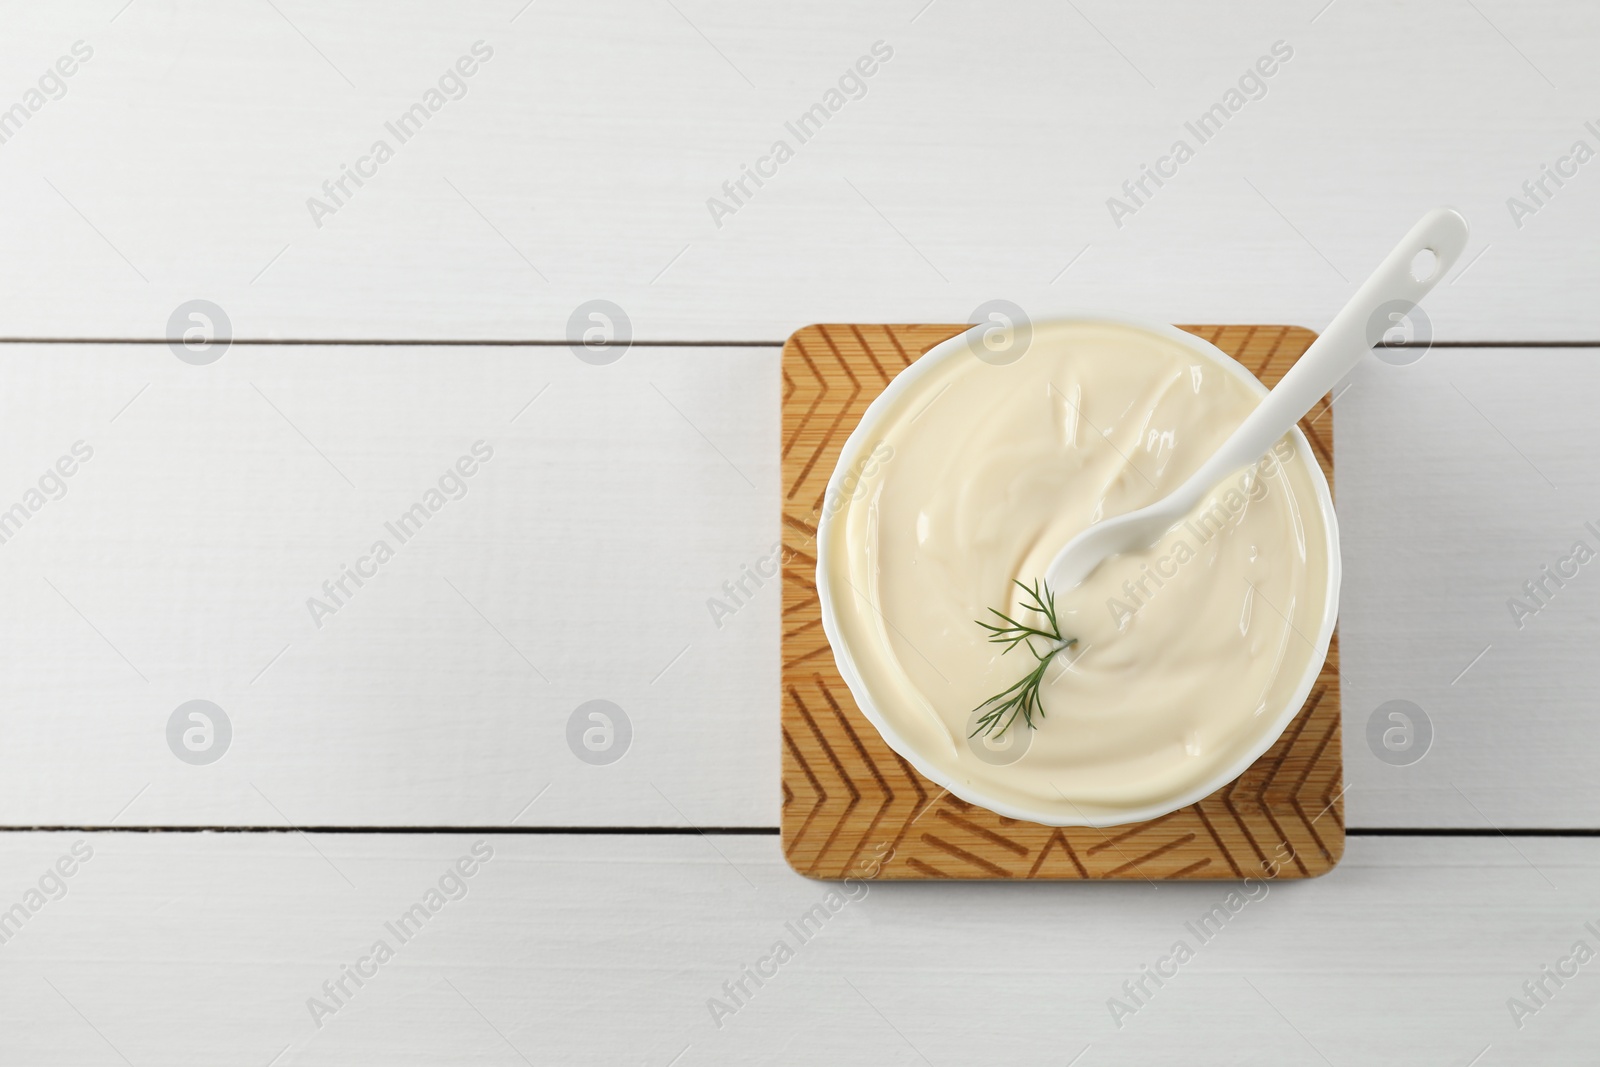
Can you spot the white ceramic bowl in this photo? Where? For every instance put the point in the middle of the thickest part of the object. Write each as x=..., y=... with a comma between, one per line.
x=860, y=442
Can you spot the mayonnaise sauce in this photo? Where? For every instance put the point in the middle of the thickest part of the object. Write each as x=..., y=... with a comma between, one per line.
x=1188, y=652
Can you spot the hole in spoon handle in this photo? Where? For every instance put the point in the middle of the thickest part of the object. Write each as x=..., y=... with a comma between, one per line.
x=1424, y=264
x=1423, y=257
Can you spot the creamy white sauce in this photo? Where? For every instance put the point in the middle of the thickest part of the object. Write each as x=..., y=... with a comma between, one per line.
x=1187, y=653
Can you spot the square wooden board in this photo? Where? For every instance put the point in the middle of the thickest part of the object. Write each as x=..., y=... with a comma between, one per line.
x=852, y=806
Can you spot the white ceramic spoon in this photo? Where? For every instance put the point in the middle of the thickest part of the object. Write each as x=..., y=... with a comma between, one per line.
x=1392, y=291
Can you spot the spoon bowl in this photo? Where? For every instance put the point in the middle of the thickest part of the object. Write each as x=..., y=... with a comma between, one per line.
x=1431, y=247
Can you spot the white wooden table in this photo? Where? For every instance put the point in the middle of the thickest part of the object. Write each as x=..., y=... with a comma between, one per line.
x=414, y=325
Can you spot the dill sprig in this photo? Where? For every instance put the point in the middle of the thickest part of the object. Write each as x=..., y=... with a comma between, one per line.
x=1022, y=698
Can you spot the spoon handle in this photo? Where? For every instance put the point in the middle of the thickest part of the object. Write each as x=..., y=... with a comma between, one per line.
x=1392, y=291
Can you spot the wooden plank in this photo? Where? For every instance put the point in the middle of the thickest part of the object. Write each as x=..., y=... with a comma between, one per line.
x=582, y=158
x=182, y=561
x=852, y=802
x=194, y=536
x=204, y=949
x=1464, y=477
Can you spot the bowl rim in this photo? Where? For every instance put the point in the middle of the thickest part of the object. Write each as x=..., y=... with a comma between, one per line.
x=854, y=444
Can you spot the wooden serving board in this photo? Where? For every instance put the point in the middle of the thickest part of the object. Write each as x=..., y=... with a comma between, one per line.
x=852, y=806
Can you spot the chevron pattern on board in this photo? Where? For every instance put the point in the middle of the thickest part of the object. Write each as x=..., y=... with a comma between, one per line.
x=851, y=806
